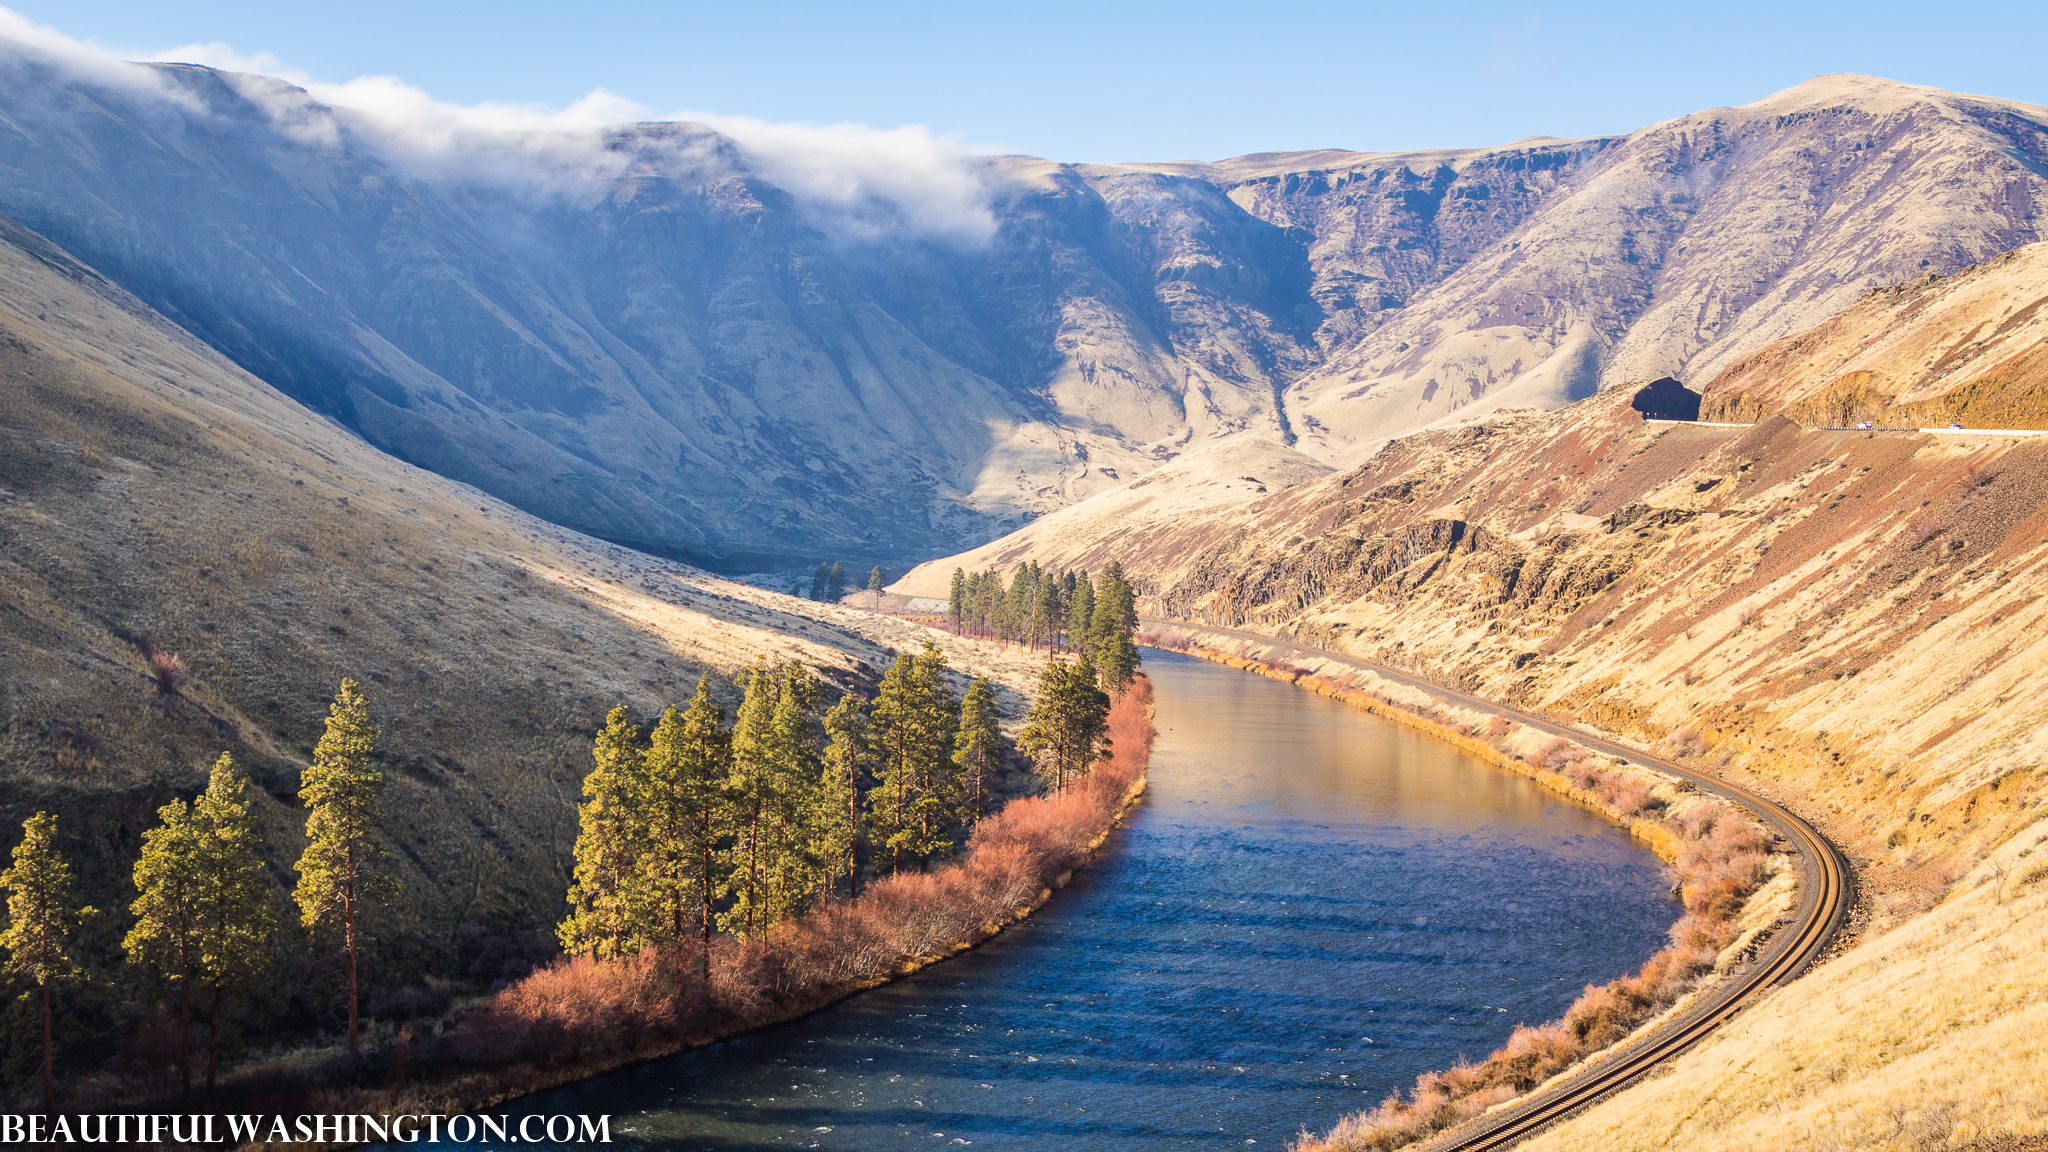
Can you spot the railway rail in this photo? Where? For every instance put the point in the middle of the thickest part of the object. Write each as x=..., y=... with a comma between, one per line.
x=1824, y=898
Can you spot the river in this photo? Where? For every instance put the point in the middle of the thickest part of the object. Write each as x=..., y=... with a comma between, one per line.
x=1311, y=907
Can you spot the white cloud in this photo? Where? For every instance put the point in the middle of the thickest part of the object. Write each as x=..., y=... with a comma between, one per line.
x=861, y=183
x=857, y=182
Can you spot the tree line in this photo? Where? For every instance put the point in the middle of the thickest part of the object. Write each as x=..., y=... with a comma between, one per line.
x=828, y=583
x=203, y=913
x=1062, y=611
x=698, y=827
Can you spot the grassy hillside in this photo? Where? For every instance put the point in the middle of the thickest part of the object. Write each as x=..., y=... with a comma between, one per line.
x=1852, y=622
x=156, y=501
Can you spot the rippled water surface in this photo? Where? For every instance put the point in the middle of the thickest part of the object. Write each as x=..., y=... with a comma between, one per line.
x=1312, y=906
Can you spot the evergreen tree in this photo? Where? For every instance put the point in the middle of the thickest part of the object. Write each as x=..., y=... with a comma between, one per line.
x=848, y=759
x=1110, y=631
x=977, y=749
x=835, y=585
x=1046, y=615
x=604, y=914
x=1066, y=728
x=342, y=792
x=875, y=581
x=794, y=872
x=683, y=816
x=956, y=600
x=938, y=714
x=232, y=901
x=820, y=579
x=913, y=720
x=751, y=790
x=1080, y=610
x=706, y=763
x=40, y=920
x=165, y=931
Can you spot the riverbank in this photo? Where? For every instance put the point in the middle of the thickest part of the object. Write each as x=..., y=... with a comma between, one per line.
x=576, y=1019
x=1734, y=890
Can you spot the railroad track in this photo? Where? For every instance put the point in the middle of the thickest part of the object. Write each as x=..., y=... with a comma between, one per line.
x=1824, y=898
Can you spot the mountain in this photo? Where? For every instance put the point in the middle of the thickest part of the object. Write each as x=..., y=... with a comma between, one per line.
x=639, y=333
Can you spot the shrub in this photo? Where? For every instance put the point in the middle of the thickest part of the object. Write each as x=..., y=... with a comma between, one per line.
x=168, y=670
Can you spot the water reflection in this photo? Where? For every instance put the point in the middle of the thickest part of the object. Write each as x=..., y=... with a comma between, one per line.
x=1312, y=907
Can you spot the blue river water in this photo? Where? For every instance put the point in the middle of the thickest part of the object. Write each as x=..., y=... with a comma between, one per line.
x=1311, y=907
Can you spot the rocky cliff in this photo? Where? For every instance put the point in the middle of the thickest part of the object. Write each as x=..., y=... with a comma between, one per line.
x=638, y=333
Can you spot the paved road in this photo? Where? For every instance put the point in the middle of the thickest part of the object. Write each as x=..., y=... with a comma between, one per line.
x=1795, y=943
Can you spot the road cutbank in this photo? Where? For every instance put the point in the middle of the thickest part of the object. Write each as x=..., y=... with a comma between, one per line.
x=1504, y=1099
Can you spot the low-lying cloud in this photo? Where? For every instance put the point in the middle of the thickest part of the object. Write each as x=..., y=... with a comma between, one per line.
x=856, y=182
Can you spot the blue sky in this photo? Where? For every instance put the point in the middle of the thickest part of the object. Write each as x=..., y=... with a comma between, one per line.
x=1117, y=81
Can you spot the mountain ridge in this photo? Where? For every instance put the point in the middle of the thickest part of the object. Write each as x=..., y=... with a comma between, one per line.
x=638, y=334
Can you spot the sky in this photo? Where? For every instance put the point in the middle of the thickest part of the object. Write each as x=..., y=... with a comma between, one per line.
x=1104, y=81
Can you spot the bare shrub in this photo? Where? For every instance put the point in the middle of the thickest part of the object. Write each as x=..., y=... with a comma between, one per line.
x=1497, y=727
x=168, y=669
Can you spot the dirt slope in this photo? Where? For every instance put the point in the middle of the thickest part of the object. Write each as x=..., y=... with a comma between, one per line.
x=155, y=498
x=1854, y=623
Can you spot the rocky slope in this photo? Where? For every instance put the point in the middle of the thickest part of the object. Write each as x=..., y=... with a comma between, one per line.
x=1853, y=622
x=154, y=499
x=640, y=334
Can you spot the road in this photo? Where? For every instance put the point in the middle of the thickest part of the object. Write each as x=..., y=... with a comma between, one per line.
x=1824, y=899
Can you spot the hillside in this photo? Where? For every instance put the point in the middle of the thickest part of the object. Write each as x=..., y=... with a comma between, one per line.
x=640, y=334
x=1970, y=348
x=1851, y=622
x=156, y=499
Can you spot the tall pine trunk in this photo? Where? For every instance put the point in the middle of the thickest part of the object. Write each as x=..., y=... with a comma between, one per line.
x=185, y=1010
x=213, y=1036
x=348, y=930
x=49, y=1053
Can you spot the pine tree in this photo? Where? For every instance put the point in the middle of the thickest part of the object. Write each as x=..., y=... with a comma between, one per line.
x=890, y=804
x=751, y=788
x=40, y=920
x=956, y=600
x=167, y=875
x=232, y=903
x=875, y=580
x=912, y=806
x=604, y=918
x=835, y=585
x=796, y=872
x=938, y=713
x=1080, y=612
x=706, y=763
x=1066, y=727
x=1110, y=631
x=682, y=817
x=819, y=579
x=977, y=749
x=342, y=792
x=848, y=759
